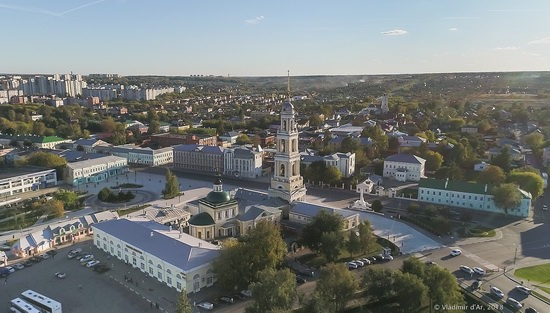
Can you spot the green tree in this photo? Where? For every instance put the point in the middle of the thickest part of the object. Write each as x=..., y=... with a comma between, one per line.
x=534, y=140
x=492, y=175
x=331, y=244
x=323, y=222
x=353, y=244
x=335, y=288
x=69, y=198
x=503, y=159
x=315, y=120
x=184, y=305
x=433, y=160
x=414, y=266
x=154, y=127
x=104, y=194
x=48, y=160
x=377, y=206
x=411, y=293
x=349, y=144
x=332, y=175
x=243, y=139
x=171, y=188
x=528, y=181
x=274, y=291
x=380, y=140
x=230, y=266
x=443, y=287
x=506, y=196
x=108, y=125
x=367, y=239
x=55, y=207
x=377, y=284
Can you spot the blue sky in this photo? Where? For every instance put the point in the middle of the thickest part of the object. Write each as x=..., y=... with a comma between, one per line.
x=267, y=38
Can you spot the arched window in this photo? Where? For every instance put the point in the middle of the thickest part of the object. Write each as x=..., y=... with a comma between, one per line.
x=168, y=271
x=294, y=145
x=284, y=126
x=142, y=258
x=283, y=145
x=294, y=169
x=150, y=262
x=159, y=266
x=178, y=276
x=282, y=170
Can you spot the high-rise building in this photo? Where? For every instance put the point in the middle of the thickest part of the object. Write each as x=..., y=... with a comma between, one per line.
x=287, y=183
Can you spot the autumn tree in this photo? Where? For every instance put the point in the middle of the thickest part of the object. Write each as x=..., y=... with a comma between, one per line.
x=55, y=207
x=507, y=196
x=275, y=290
x=184, y=305
x=492, y=175
x=528, y=181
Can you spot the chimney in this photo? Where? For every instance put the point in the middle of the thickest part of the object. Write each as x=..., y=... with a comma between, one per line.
x=446, y=183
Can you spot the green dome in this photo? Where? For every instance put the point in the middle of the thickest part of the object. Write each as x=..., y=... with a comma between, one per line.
x=201, y=219
x=218, y=197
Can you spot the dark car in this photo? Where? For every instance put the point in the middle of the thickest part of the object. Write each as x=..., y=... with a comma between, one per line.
x=98, y=265
x=476, y=284
x=102, y=269
x=52, y=252
x=301, y=279
x=238, y=297
x=307, y=272
x=28, y=263
x=227, y=299
x=36, y=259
x=531, y=310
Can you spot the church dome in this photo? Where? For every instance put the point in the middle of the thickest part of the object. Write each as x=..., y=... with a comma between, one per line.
x=218, y=197
x=288, y=107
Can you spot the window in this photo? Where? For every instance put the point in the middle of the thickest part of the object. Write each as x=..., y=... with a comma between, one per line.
x=169, y=280
x=178, y=285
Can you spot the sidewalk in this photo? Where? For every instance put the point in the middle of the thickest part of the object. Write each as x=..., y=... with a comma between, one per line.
x=508, y=273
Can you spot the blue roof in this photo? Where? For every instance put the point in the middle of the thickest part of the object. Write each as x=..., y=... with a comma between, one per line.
x=311, y=210
x=185, y=253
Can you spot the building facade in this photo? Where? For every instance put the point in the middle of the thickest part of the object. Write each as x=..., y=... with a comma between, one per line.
x=167, y=140
x=95, y=170
x=287, y=183
x=472, y=196
x=142, y=244
x=242, y=162
x=199, y=158
x=404, y=167
x=137, y=155
x=345, y=162
x=26, y=179
x=303, y=213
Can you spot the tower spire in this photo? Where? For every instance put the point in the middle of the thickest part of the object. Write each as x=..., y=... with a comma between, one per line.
x=288, y=84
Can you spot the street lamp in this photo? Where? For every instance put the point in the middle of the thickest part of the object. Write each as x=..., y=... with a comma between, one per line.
x=515, y=253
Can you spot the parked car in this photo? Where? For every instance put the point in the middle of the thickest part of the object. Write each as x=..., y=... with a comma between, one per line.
x=307, y=272
x=359, y=263
x=300, y=279
x=45, y=256
x=479, y=270
x=430, y=263
x=497, y=292
x=4, y=272
x=456, y=252
x=92, y=263
x=73, y=253
x=60, y=275
x=18, y=266
x=544, y=207
x=247, y=293
x=52, y=253
x=515, y=303
x=386, y=257
x=28, y=263
x=523, y=289
x=5, y=247
x=466, y=269
x=227, y=299
x=36, y=259
x=352, y=265
x=531, y=310
x=366, y=261
x=87, y=258
x=7, y=269
x=238, y=297
x=206, y=305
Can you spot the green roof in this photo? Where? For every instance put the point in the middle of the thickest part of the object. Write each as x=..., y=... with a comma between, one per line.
x=32, y=138
x=201, y=219
x=218, y=197
x=452, y=185
x=52, y=139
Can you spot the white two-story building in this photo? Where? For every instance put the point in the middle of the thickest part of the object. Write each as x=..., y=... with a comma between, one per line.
x=138, y=155
x=95, y=170
x=404, y=167
x=242, y=162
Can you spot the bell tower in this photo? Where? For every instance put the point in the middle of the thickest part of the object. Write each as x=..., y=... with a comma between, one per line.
x=287, y=183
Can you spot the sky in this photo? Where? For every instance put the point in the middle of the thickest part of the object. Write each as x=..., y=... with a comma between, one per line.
x=267, y=38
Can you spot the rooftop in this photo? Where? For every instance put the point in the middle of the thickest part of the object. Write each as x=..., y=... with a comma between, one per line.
x=405, y=158
x=311, y=210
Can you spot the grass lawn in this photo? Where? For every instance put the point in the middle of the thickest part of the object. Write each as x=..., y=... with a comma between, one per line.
x=478, y=231
x=538, y=273
x=545, y=289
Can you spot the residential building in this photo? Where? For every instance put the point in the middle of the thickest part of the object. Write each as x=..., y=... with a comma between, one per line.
x=345, y=162
x=137, y=155
x=304, y=212
x=287, y=183
x=199, y=158
x=347, y=130
x=410, y=141
x=469, y=129
x=142, y=244
x=44, y=142
x=479, y=167
x=230, y=137
x=171, y=216
x=466, y=195
x=167, y=140
x=64, y=232
x=515, y=154
x=242, y=162
x=404, y=167
x=24, y=179
x=88, y=145
x=95, y=170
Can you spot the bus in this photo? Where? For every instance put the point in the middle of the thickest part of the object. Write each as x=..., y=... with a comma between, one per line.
x=19, y=305
x=41, y=302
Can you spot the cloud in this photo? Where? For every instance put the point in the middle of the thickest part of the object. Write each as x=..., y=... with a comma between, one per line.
x=453, y=29
x=542, y=41
x=46, y=12
x=509, y=48
x=255, y=20
x=394, y=32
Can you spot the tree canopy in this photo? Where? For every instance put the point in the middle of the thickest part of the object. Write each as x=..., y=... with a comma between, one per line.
x=335, y=288
x=275, y=290
x=323, y=222
x=184, y=305
x=528, y=181
x=492, y=175
x=507, y=196
x=171, y=188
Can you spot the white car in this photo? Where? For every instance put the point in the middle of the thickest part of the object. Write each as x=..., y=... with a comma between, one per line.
x=247, y=293
x=366, y=261
x=45, y=256
x=60, y=275
x=86, y=258
x=352, y=265
x=479, y=270
x=466, y=269
x=92, y=263
x=497, y=292
x=18, y=266
x=359, y=263
x=10, y=269
x=523, y=289
x=456, y=252
x=544, y=207
x=515, y=303
x=206, y=305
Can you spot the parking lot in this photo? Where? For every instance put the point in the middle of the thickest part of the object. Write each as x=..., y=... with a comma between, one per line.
x=106, y=292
